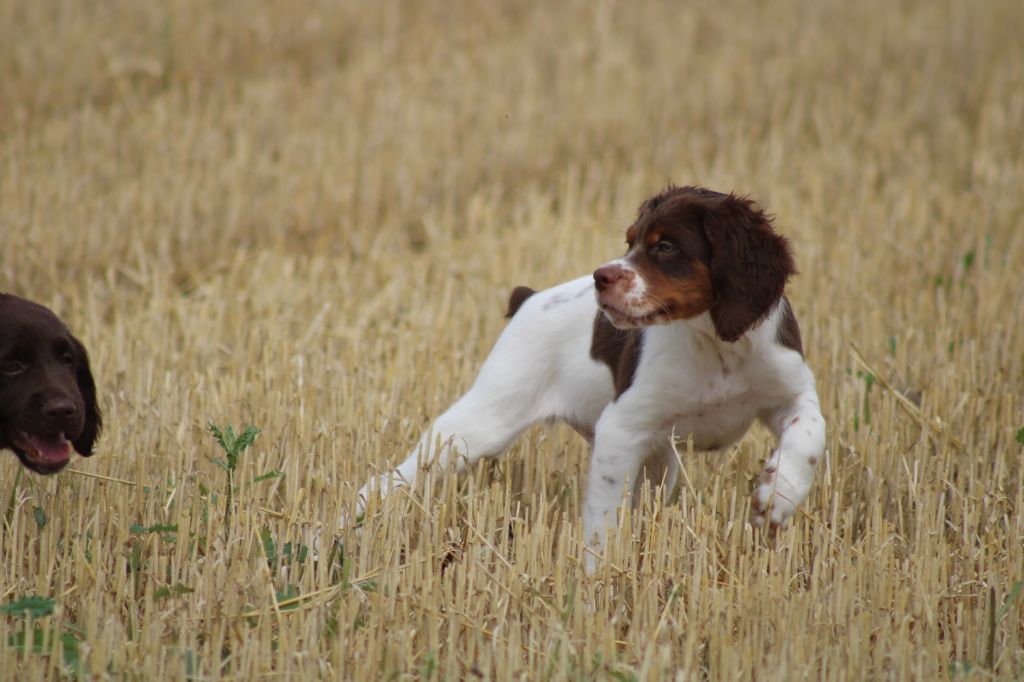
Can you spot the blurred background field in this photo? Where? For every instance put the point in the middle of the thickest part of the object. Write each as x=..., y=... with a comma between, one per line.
x=307, y=216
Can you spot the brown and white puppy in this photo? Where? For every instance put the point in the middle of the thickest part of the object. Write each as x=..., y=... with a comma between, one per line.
x=47, y=394
x=688, y=333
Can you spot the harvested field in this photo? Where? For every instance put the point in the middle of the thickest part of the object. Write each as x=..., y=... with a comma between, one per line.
x=307, y=217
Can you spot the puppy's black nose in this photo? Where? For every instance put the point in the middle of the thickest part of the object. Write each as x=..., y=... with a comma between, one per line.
x=607, y=275
x=59, y=408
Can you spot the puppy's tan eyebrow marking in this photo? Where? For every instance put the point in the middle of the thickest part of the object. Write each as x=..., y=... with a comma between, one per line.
x=654, y=236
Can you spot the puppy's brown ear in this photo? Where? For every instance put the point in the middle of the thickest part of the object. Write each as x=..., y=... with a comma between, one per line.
x=750, y=264
x=87, y=387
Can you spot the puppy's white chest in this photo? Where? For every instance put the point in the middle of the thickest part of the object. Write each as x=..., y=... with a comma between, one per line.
x=710, y=396
x=716, y=389
x=716, y=412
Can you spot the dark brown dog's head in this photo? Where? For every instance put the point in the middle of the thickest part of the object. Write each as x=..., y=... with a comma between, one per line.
x=47, y=394
x=692, y=250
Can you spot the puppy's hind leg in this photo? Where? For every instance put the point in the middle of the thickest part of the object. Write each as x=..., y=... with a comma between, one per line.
x=476, y=426
x=506, y=398
x=513, y=390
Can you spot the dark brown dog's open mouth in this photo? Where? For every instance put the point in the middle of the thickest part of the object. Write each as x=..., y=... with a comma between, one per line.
x=43, y=454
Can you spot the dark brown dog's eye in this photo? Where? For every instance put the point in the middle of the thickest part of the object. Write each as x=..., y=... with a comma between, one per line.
x=67, y=358
x=665, y=249
x=13, y=368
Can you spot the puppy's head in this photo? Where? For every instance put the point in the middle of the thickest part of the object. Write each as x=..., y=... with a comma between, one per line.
x=693, y=250
x=47, y=394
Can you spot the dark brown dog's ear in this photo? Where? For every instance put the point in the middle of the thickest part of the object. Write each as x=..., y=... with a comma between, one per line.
x=87, y=387
x=750, y=264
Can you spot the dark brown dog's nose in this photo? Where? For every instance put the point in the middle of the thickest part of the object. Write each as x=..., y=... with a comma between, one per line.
x=607, y=275
x=59, y=408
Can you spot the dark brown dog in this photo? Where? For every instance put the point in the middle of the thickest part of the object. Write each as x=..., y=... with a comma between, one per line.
x=47, y=394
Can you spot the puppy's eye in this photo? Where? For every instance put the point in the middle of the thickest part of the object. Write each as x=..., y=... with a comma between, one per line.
x=665, y=249
x=67, y=358
x=12, y=369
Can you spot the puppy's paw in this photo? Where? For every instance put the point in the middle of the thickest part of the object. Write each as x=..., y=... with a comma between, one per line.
x=774, y=501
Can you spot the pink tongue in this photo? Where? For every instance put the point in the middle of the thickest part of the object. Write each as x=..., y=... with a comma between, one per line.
x=53, y=450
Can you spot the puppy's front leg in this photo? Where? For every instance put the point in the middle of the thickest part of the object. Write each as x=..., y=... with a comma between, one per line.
x=789, y=472
x=620, y=447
